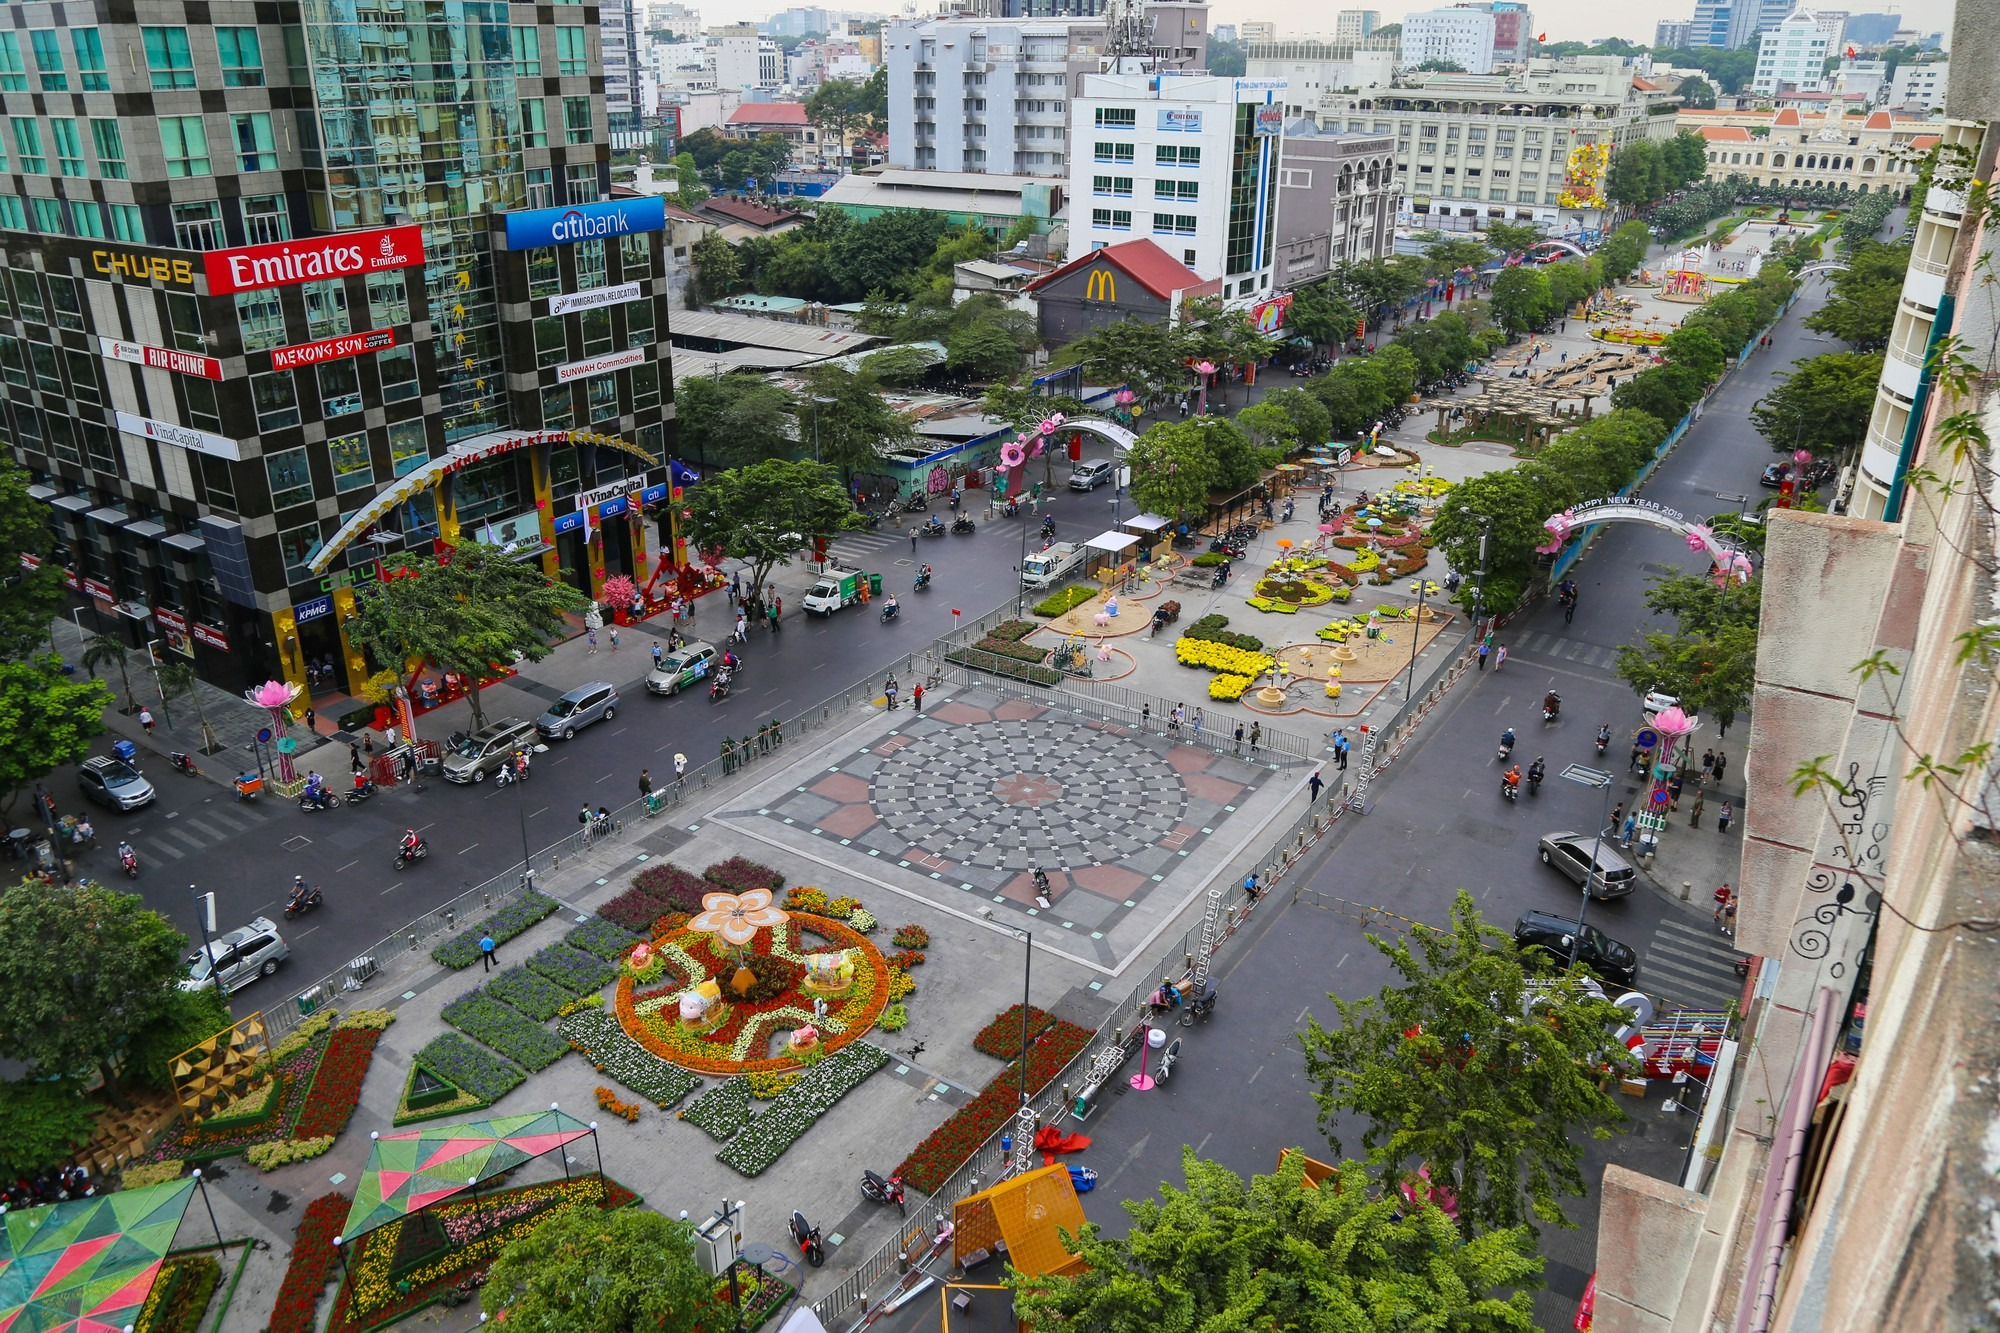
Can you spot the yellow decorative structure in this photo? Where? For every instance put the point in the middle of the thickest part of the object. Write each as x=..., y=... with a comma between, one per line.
x=220, y=1068
x=1028, y=1212
x=1583, y=176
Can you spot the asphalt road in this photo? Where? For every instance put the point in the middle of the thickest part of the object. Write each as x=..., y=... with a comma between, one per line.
x=197, y=834
x=1238, y=1093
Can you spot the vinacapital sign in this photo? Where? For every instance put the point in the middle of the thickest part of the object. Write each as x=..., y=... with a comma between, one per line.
x=288, y=263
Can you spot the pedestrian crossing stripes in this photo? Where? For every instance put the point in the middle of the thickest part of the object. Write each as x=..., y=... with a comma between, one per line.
x=1690, y=966
x=159, y=838
x=1566, y=649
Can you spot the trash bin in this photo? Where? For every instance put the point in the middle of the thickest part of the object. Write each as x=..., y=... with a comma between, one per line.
x=308, y=1001
x=874, y=585
x=125, y=750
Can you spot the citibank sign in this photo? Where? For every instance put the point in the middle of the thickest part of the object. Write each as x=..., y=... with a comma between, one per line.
x=288, y=263
x=585, y=222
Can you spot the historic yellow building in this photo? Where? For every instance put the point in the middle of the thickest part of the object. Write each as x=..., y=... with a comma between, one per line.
x=1868, y=155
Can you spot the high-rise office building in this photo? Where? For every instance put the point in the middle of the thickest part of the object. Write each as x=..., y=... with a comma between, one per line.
x=1260, y=30
x=287, y=297
x=1672, y=34
x=1791, y=56
x=1461, y=35
x=1351, y=25
x=1712, y=22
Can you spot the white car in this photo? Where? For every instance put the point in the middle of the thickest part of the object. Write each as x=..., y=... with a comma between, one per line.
x=238, y=958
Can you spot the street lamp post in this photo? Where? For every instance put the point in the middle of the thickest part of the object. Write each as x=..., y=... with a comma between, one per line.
x=1416, y=637
x=1479, y=587
x=1589, y=777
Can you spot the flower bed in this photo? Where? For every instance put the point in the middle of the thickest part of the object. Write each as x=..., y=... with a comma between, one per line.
x=180, y=1295
x=683, y=890
x=487, y=1020
x=336, y=1090
x=1001, y=1038
x=608, y=1102
x=573, y=970
x=516, y=917
x=458, y=1062
x=737, y=1045
x=271, y=1156
x=953, y=1142
x=722, y=1112
x=1229, y=687
x=248, y=1111
x=636, y=910
x=1065, y=601
x=1009, y=667
x=597, y=1035
x=740, y=875
x=1210, y=629
x=796, y=1110
x=1221, y=657
x=605, y=939
x=292, y=1075
x=536, y=996
x=312, y=1263
x=911, y=937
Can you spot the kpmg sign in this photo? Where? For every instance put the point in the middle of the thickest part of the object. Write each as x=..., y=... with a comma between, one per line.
x=584, y=222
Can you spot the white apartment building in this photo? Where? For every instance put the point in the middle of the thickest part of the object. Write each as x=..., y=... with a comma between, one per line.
x=1259, y=31
x=1313, y=69
x=1860, y=78
x=1832, y=22
x=681, y=20
x=1673, y=34
x=1791, y=55
x=1920, y=86
x=1462, y=36
x=1351, y=25
x=1190, y=161
x=1471, y=148
x=742, y=58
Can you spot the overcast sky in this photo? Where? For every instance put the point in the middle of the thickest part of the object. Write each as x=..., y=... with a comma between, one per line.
x=1562, y=20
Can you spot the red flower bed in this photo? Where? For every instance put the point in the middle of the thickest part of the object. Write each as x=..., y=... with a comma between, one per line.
x=951, y=1143
x=739, y=873
x=313, y=1261
x=681, y=890
x=337, y=1090
x=1001, y=1038
x=636, y=910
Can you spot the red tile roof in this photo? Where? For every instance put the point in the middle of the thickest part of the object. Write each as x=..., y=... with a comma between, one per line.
x=1645, y=85
x=1788, y=117
x=742, y=210
x=1923, y=141
x=1724, y=133
x=1143, y=261
x=1878, y=120
x=790, y=114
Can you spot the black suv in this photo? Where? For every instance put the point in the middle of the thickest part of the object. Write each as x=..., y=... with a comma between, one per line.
x=1602, y=956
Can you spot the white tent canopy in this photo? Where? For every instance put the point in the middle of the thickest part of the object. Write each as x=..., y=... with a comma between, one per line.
x=1147, y=522
x=1111, y=541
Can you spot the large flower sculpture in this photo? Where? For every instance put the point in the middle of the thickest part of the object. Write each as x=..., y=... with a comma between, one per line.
x=737, y=917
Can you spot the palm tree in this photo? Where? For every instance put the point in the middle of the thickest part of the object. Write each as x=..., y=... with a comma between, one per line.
x=178, y=678
x=103, y=648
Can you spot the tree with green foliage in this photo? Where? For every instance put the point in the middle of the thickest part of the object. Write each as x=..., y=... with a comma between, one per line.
x=900, y=365
x=102, y=650
x=1441, y=67
x=472, y=610
x=189, y=1017
x=1443, y=345
x=48, y=718
x=1522, y=299
x=1727, y=68
x=1862, y=309
x=1638, y=174
x=591, y=1271
x=1444, y=258
x=839, y=107
x=1697, y=95
x=1709, y=662
x=1339, y=1257
x=729, y=420
x=41, y=1124
x=1514, y=506
x=856, y=424
x=82, y=969
x=1147, y=358
x=1667, y=393
x=717, y=270
x=1686, y=157
x=1226, y=60
x=1321, y=316
x=1465, y=1068
x=1512, y=238
x=1624, y=250
x=1572, y=283
x=1823, y=405
x=1172, y=471
x=29, y=598
x=982, y=352
x=1376, y=286
x=178, y=681
x=1284, y=422
x=1697, y=349
x=766, y=513
x=1354, y=393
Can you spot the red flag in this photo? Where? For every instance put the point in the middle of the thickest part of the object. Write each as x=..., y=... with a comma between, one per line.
x=1850, y=53
x=1541, y=37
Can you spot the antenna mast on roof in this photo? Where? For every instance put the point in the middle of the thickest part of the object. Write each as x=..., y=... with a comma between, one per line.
x=1126, y=32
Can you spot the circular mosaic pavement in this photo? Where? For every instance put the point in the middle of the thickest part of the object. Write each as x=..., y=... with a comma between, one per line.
x=1012, y=795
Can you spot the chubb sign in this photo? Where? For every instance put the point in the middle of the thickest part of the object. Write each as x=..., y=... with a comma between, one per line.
x=255, y=267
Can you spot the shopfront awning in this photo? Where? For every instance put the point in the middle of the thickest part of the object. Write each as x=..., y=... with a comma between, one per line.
x=1112, y=542
x=146, y=528
x=109, y=517
x=415, y=482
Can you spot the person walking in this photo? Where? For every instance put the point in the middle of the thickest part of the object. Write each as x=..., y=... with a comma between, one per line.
x=312, y=720
x=917, y=696
x=742, y=626
x=613, y=632
x=1499, y=657
x=590, y=637
x=1146, y=718
x=646, y=785
x=1617, y=816
x=1197, y=725
x=680, y=769
x=354, y=758
x=1723, y=898
x=913, y=541
x=1721, y=763
x=1239, y=738
x=1722, y=818
x=1694, y=811
x=146, y=718
x=1631, y=829
x=489, y=953
x=1707, y=764
x=1340, y=751
x=1482, y=657
x=659, y=656
x=1313, y=785
x=1256, y=734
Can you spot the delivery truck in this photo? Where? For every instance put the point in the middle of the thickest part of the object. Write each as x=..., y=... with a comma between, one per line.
x=834, y=591
x=1045, y=569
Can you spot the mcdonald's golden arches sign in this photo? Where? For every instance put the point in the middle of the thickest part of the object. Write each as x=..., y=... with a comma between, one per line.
x=1101, y=286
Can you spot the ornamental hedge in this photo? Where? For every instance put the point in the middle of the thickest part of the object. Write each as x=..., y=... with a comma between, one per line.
x=607, y=939
x=598, y=1038
x=484, y=1019
x=740, y=874
x=1064, y=601
x=1211, y=629
x=536, y=996
x=575, y=971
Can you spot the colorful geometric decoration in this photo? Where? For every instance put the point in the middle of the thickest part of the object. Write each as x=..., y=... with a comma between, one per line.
x=410, y=1171
x=86, y=1265
x=216, y=1070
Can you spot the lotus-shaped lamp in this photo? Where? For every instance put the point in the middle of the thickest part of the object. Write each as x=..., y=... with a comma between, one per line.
x=274, y=694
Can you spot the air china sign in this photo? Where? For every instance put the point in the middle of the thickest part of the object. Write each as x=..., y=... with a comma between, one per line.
x=256, y=267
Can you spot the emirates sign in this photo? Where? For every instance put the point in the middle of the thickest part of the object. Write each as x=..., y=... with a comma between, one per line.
x=256, y=267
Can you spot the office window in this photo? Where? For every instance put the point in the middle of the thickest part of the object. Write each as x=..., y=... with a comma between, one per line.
x=261, y=319
x=397, y=369
x=339, y=388
x=13, y=74
x=580, y=184
x=596, y=331
x=69, y=146
x=551, y=341
x=299, y=546
x=1113, y=185
x=49, y=61
x=409, y=446
x=1117, y=219
x=168, y=58
x=646, y=385
x=635, y=257
x=1115, y=152
x=256, y=146
x=242, y=57
x=90, y=68
x=67, y=303
x=591, y=269
x=48, y=215
x=558, y=408
x=544, y=275
x=110, y=145
x=127, y=223
x=572, y=55
x=527, y=52
x=13, y=214
x=1187, y=191
x=28, y=144
x=87, y=216
x=352, y=467
x=184, y=139
x=541, y=187
x=1117, y=118
x=13, y=364
x=83, y=376
x=266, y=220
x=276, y=399
x=388, y=299
x=326, y=308
x=534, y=125
x=291, y=478
x=576, y=123
x=601, y=401
x=639, y=324
x=184, y=322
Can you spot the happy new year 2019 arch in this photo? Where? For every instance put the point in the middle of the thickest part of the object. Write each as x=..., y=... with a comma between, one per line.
x=1730, y=565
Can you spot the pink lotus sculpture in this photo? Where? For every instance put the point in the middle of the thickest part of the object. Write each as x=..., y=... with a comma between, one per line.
x=1560, y=526
x=1204, y=369
x=276, y=696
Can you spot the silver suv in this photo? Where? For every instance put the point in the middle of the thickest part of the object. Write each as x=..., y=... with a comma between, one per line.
x=472, y=758
x=1089, y=476
x=595, y=702
x=114, y=782
x=238, y=958
x=1571, y=853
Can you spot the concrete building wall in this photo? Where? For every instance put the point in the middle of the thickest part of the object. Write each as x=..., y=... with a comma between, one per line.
x=1463, y=36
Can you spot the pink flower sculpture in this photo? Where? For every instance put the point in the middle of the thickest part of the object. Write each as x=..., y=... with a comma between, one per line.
x=274, y=694
x=1012, y=455
x=1672, y=722
x=1699, y=538
x=1204, y=367
x=737, y=917
x=1125, y=398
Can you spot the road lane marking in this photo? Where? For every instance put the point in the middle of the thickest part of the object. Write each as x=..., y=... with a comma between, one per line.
x=1302, y=1016
x=463, y=850
x=350, y=864
x=1253, y=1078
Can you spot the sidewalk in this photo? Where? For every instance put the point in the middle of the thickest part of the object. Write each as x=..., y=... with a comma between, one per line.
x=232, y=719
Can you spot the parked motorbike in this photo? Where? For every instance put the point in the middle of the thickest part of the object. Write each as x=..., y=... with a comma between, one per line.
x=299, y=903
x=184, y=763
x=806, y=1236
x=1200, y=1006
x=875, y=1189
x=410, y=851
